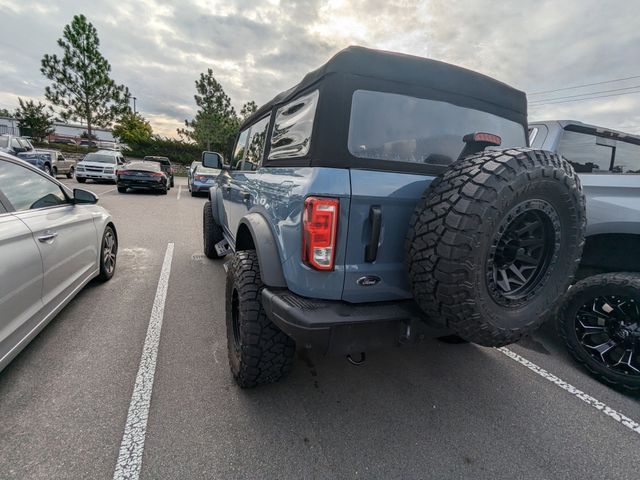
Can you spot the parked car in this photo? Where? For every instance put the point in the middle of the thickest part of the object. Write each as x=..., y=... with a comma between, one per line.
x=342, y=238
x=600, y=319
x=165, y=163
x=64, y=141
x=15, y=145
x=142, y=175
x=190, y=171
x=202, y=179
x=99, y=166
x=87, y=143
x=53, y=241
x=51, y=162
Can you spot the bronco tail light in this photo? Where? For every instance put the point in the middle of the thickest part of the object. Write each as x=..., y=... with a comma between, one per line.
x=319, y=229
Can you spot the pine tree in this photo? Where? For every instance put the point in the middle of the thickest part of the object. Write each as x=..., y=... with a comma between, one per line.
x=216, y=122
x=81, y=86
x=248, y=109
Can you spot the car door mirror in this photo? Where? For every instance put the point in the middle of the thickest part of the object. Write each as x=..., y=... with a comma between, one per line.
x=84, y=196
x=212, y=160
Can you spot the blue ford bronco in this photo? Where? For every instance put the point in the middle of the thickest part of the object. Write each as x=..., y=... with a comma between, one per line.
x=382, y=199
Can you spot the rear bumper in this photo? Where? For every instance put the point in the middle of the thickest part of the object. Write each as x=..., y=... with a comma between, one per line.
x=201, y=187
x=142, y=184
x=338, y=327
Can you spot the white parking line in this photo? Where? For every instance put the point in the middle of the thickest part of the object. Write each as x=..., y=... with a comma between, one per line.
x=132, y=446
x=107, y=191
x=179, y=191
x=588, y=399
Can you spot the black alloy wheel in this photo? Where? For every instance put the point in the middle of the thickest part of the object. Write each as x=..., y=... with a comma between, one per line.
x=521, y=251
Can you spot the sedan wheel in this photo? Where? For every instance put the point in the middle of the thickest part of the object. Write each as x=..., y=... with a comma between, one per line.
x=108, y=254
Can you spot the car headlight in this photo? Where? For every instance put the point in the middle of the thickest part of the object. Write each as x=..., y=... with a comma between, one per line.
x=108, y=170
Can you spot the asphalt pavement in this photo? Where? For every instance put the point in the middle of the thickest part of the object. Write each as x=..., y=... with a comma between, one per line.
x=431, y=410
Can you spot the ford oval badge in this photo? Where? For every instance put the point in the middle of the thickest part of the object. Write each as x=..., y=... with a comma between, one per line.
x=369, y=281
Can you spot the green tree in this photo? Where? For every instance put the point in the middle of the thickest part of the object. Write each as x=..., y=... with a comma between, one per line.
x=216, y=122
x=81, y=86
x=33, y=119
x=5, y=113
x=248, y=109
x=132, y=128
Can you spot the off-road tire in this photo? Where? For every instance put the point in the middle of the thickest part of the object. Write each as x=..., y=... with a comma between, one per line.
x=453, y=230
x=211, y=232
x=578, y=295
x=259, y=352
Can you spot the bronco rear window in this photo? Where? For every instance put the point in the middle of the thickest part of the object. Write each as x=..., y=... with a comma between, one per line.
x=389, y=126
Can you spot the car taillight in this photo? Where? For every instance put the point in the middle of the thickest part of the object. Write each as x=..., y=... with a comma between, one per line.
x=200, y=178
x=319, y=230
x=123, y=172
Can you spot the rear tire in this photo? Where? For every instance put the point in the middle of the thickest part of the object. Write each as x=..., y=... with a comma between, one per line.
x=494, y=244
x=70, y=173
x=47, y=169
x=122, y=189
x=81, y=180
x=172, y=182
x=211, y=232
x=582, y=331
x=108, y=254
x=259, y=352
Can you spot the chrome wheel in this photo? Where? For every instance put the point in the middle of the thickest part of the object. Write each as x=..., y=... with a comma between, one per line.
x=608, y=329
x=109, y=251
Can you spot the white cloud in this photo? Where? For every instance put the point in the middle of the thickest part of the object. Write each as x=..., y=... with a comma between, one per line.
x=158, y=48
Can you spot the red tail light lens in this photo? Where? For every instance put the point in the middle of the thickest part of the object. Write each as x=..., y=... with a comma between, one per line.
x=200, y=178
x=319, y=229
x=123, y=172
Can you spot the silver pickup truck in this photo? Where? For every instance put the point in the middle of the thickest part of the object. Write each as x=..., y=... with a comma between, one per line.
x=600, y=319
x=52, y=162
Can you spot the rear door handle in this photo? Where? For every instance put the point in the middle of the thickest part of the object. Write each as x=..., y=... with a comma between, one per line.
x=47, y=236
x=375, y=219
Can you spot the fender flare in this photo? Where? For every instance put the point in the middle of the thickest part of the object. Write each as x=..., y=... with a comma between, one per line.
x=266, y=248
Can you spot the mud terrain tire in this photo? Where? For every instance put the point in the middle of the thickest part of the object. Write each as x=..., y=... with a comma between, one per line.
x=487, y=216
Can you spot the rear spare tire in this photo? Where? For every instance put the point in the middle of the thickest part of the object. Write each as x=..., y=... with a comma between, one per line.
x=494, y=243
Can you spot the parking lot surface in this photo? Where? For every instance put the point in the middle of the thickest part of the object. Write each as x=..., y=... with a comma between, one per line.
x=431, y=410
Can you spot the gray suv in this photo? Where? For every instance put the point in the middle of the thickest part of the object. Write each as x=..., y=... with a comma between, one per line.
x=382, y=199
x=600, y=320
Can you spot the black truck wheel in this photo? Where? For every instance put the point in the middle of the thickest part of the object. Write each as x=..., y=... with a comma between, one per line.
x=211, y=232
x=600, y=324
x=259, y=352
x=494, y=243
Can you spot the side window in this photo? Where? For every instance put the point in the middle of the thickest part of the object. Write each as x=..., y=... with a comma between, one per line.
x=584, y=153
x=627, y=158
x=291, y=136
x=255, y=147
x=238, y=152
x=28, y=190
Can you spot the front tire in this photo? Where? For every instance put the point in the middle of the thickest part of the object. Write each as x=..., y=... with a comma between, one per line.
x=108, y=254
x=600, y=325
x=70, y=172
x=81, y=180
x=211, y=232
x=122, y=189
x=494, y=244
x=259, y=352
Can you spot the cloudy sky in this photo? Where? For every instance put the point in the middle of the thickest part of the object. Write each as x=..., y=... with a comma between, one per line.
x=257, y=49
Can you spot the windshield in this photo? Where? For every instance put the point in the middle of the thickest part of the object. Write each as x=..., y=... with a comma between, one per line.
x=149, y=166
x=386, y=126
x=99, y=158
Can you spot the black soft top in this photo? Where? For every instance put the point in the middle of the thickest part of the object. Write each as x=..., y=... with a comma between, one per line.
x=412, y=71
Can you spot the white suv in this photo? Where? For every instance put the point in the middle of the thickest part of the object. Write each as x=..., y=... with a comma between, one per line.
x=100, y=165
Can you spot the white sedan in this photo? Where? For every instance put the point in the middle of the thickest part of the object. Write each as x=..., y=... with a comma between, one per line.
x=53, y=241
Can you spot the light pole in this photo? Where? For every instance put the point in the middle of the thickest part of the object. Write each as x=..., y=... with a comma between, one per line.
x=134, y=105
